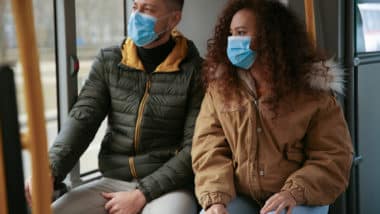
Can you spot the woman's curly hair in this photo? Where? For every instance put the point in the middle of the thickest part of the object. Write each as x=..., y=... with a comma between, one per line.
x=281, y=42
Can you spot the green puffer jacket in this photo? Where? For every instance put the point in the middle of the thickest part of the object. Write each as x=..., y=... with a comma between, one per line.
x=150, y=118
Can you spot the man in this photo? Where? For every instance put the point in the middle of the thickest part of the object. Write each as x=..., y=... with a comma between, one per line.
x=150, y=90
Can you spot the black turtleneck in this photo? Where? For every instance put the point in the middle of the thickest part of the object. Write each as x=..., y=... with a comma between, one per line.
x=152, y=57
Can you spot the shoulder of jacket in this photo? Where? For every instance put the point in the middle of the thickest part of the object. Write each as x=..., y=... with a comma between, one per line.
x=193, y=55
x=323, y=101
x=111, y=53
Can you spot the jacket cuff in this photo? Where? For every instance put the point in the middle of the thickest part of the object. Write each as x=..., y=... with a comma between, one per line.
x=297, y=191
x=211, y=198
x=58, y=179
x=145, y=191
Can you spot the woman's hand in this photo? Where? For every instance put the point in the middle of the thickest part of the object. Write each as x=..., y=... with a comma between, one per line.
x=278, y=202
x=217, y=209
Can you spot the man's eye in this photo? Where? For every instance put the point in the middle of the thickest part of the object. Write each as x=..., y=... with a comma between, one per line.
x=147, y=9
x=241, y=33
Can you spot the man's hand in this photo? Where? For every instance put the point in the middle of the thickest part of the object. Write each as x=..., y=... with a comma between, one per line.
x=28, y=189
x=278, y=202
x=217, y=209
x=124, y=202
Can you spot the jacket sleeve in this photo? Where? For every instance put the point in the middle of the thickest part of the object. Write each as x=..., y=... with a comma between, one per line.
x=176, y=172
x=212, y=159
x=325, y=173
x=82, y=123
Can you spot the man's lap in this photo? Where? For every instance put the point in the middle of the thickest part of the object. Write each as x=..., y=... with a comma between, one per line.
x=87, y=198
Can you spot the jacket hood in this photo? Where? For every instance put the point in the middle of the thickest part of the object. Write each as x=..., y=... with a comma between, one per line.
x=324, y=76
x=327, y=76
x=170, y=64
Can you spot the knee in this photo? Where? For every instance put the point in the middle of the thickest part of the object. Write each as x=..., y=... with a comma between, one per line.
x=243, y=205
x=172, y=203
x=273, y=212
x=310, y=209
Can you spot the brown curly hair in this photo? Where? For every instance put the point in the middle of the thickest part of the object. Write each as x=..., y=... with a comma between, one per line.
x=282, y=44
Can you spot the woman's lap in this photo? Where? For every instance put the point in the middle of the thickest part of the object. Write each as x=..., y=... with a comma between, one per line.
x=245, y=205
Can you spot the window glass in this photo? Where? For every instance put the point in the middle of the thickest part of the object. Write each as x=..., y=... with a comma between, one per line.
x=98, y=25
x=368, y=26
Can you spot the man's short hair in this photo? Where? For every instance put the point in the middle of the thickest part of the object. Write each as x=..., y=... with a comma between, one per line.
x=175, y=4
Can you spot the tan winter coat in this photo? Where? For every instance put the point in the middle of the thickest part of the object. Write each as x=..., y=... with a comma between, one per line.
x=241, y=148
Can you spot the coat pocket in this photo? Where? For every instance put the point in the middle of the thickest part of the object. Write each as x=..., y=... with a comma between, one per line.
x=295, y=156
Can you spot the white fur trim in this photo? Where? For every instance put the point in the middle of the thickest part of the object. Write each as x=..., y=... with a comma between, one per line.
x=327, y=75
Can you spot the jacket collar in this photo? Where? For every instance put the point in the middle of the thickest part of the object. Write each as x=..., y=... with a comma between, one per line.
x=170, y=64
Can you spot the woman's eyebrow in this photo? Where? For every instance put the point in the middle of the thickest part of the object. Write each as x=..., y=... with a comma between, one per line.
x=238, y=28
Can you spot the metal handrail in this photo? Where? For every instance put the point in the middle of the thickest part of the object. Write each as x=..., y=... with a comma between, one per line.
x=37, y=140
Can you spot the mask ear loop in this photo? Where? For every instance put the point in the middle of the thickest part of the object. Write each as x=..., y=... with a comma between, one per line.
x=167, y=28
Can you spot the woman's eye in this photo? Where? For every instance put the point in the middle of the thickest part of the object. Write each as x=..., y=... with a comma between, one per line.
x=241, y=33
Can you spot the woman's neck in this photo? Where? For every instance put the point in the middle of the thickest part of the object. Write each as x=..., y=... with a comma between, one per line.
x=259, y=73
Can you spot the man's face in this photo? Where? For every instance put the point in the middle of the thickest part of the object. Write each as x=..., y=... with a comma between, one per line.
x=158, y=9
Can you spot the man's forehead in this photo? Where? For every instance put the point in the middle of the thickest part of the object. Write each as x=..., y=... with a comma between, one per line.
x=150, y=2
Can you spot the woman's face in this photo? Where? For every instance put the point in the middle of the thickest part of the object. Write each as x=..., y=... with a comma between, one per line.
x=243, y=24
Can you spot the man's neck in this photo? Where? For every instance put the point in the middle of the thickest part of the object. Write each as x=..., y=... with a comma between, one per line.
x=152, y=57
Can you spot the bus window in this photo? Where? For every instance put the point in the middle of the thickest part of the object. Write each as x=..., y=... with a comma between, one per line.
x=368, y=26
x=98, y=26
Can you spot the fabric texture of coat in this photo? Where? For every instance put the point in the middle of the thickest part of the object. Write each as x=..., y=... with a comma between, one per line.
x=244, y=148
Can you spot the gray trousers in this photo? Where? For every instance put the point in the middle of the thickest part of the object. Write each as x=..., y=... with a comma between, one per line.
x=87, y=198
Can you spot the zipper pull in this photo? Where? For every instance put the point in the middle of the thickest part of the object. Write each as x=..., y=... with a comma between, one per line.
x=256, y=102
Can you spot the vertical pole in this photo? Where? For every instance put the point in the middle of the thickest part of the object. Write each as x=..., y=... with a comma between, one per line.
x=310, y=21
x=26, y=38
x=3, y=192
x=11, y=146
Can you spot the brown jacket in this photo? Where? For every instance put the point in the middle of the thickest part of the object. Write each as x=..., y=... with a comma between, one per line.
x=242, y=148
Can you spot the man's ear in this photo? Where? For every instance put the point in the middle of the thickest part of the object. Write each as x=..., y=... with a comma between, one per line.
x=176, y=18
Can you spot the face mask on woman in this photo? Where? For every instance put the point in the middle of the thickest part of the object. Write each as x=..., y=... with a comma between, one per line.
x=141, y=28
x=239, y=51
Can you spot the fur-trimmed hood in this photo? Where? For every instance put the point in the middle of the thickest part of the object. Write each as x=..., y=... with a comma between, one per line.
x=327, y=76
x=324, y=76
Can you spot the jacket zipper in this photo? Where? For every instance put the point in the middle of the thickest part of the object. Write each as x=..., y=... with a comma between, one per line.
x=140, y=113
x=132, y=168
x=257, y=167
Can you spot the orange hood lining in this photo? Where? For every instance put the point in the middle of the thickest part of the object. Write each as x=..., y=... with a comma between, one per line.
x=170, y=64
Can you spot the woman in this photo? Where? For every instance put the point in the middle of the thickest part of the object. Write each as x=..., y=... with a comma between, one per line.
x=271, y=136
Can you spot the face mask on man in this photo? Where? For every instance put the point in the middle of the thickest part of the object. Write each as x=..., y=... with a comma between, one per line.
x=239, y=51
x=141, y=28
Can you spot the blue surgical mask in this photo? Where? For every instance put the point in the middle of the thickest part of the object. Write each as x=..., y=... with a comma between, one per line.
x=239, y=51
x=141, y=29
